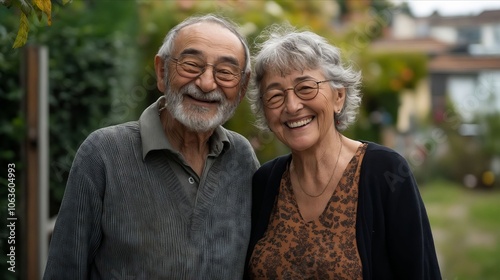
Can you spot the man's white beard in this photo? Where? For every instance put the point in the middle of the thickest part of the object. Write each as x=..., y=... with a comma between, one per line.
x=195, y=117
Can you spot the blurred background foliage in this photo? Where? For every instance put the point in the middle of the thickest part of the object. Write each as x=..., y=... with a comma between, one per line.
x=101, y=57
x=91, y=62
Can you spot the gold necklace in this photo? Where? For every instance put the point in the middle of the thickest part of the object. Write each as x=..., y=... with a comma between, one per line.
x=329, y=180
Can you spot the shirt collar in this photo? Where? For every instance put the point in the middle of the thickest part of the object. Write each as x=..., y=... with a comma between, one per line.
x=154, y=138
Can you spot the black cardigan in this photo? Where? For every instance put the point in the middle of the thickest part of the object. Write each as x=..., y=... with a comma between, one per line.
x=393, y=233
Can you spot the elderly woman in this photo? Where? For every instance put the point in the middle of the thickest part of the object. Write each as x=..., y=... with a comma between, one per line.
x=335, y=208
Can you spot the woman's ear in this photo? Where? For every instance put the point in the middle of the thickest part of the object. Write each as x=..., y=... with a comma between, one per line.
x=340, y=99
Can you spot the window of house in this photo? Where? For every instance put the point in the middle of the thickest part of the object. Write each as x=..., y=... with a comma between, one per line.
x=469, y=35
x=496, y=35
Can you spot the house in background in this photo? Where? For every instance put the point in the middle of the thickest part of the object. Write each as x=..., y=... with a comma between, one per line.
x=464, y=65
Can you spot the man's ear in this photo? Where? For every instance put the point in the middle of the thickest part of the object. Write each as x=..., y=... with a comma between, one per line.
x=244, y=87
x=160, y=73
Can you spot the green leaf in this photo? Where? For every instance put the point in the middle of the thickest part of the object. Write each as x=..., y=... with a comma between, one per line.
x=22, y=33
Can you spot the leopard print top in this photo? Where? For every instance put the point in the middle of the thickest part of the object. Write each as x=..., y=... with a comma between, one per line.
x=324, y=248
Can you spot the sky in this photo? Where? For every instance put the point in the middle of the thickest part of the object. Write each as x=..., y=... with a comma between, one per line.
x=423, y=8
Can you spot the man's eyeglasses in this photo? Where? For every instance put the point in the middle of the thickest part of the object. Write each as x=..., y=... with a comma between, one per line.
x=225, y=74
x=305, y=90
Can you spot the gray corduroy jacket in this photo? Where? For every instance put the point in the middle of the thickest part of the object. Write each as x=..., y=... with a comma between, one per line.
x=126, y=215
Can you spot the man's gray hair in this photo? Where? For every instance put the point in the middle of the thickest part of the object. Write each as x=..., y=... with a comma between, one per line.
x=168, y=43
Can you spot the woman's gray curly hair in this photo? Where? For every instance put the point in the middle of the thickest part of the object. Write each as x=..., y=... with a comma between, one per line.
x=284, y=49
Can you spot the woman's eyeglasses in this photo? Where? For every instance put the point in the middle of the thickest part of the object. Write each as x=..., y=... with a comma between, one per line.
x=305, y=90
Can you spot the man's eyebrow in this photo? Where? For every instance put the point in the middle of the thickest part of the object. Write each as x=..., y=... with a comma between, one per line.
x=229, y=59
x=190, y=51
x=196, y=52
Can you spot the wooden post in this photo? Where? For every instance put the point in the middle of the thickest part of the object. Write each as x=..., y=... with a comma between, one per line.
x=36, y=160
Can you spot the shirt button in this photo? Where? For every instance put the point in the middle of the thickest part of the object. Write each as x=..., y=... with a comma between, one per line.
x=191, y=180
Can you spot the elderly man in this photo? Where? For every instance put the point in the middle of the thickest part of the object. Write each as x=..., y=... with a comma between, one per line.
x=167, y=196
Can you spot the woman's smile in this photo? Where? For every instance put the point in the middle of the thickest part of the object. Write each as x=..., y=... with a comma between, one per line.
x=299, y=123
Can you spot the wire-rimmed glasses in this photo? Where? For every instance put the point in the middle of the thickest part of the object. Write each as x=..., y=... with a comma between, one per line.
x=305, y=90
x=226, y=74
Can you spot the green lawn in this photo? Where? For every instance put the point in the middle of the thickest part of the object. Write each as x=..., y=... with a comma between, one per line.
x=466, y=228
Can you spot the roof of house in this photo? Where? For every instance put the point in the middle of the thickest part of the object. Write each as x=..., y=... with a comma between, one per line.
x=424, y=45
x=463, y=63
x=491, y=16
